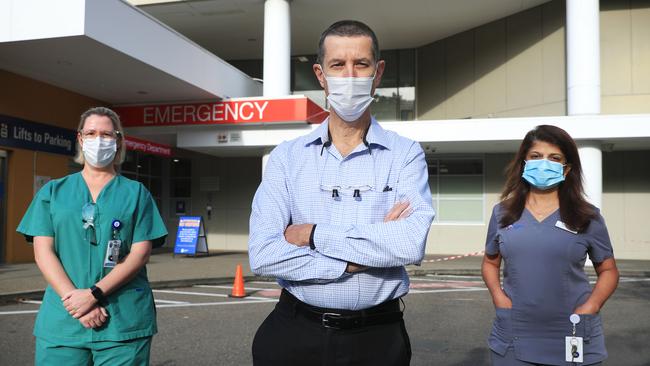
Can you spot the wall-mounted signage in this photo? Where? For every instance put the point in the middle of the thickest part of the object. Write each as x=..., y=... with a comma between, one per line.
x=148, y=147
x=24, y=134
x=298, y=109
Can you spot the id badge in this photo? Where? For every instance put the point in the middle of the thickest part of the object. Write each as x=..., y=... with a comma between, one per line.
x=112, y=253
x=573, y=349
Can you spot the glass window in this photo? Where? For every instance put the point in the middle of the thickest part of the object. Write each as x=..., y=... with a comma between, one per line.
x=144, y=164
x=302, y=75
x=155, y=186
x=304, y=81
x=457, y=189
x=146, y=169
x=181, y=187
x=252, y=68
x=461, y=211
x=395, y=97
x=406, y=68
x=181, y=168
x=130, y=162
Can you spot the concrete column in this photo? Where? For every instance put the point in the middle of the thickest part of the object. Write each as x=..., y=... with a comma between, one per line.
x=277, y=48
x=583, y=57
x=583, y=84
x=591, y=158
x=277, y=53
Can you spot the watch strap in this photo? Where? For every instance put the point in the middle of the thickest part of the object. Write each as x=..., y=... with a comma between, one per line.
x=98, y=294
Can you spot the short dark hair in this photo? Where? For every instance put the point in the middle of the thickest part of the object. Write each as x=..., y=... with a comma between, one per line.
x=348, y=28
x=575, y=211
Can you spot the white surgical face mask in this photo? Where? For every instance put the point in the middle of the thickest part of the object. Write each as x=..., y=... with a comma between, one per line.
x=349, y=96
x=98, y=151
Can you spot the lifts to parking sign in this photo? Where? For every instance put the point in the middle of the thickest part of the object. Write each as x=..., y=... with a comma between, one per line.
x=190, y=237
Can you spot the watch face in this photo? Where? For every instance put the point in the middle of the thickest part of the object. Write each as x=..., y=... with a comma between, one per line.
x=97, y=292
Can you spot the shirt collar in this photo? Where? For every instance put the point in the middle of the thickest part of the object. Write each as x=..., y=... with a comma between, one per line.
x=376, y=135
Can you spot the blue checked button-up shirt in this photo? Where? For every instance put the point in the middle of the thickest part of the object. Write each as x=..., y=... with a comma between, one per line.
x=297, y=188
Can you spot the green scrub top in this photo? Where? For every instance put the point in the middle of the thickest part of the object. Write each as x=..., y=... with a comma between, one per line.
x=56, y=212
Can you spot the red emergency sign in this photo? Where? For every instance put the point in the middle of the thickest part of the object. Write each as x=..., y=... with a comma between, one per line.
x=147, y=147
x=232, y=111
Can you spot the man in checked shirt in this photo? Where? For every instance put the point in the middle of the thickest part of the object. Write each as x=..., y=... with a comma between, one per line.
x=338, y=215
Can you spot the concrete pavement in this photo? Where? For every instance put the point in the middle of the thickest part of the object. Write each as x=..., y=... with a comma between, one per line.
x=166, y=270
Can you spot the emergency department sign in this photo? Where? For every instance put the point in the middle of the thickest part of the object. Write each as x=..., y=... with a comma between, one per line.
x=148, y=147
x=298, y=109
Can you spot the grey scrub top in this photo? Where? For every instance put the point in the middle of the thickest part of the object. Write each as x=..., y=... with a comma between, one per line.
x=545, y=279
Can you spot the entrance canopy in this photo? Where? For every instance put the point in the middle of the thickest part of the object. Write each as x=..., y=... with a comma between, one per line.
x=113, y=52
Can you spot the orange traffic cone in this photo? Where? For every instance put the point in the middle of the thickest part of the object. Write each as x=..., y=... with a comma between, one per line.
x=238, y=286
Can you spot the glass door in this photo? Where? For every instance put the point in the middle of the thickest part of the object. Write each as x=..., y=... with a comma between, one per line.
x=3, y=204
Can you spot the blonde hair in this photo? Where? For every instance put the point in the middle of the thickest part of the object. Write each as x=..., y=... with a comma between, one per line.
x=120, y=154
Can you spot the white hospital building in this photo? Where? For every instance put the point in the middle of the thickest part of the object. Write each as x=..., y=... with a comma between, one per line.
x=207, y=88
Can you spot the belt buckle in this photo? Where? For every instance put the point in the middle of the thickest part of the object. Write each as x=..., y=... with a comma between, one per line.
x=327, y=317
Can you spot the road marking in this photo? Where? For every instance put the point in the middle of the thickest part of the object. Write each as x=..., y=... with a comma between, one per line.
x=204, y=294
x=264, y=283
x=217, y=303
x=170, y=301
x=450, y=276
x=230, y=287
x=189, y=293
x=18, y=312
x=31, y=302
x=444, y=284
x=435, y=280
x=468, y=289
x=628, y=279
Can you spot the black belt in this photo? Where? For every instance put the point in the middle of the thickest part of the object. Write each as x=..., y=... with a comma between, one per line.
x=387, y=312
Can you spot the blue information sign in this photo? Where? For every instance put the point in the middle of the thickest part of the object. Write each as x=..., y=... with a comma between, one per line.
x=16, y=132
x=190, y=236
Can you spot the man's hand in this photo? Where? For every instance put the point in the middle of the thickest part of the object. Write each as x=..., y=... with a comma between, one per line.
x=298, y=235
x=354, y=268
x=78, y=302
x=95, y=318
x=399, y=211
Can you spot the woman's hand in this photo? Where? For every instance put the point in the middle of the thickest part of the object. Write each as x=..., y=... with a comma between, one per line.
x=587, y=308
x=502, y=301
x=95, y=318
x=78, y=302
x=490, y=271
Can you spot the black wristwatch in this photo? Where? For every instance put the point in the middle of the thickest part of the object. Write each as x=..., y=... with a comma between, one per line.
x=311, y=238
x=98, y=294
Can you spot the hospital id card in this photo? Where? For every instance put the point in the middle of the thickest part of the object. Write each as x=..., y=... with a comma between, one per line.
x=573, y=349
x=112, y=253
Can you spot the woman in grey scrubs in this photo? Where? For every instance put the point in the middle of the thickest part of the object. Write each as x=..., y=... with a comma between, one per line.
x=543, y=229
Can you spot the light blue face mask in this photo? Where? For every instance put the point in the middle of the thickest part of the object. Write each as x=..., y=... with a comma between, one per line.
x=543, y=174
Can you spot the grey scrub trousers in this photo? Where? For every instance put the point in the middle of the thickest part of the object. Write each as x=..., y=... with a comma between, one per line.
x=545, y=279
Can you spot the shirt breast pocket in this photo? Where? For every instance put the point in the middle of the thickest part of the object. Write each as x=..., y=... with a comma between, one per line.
x=373, y=205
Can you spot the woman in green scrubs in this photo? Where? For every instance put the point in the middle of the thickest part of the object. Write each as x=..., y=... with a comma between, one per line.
x=92, y=233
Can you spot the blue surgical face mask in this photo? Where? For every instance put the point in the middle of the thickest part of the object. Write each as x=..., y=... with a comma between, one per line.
x=543, y=174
